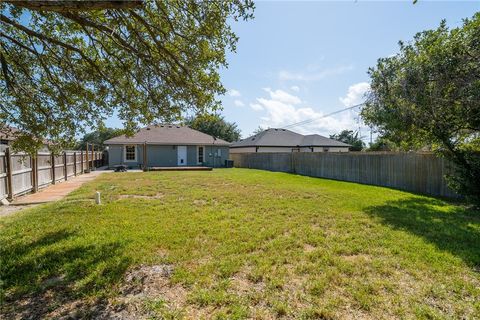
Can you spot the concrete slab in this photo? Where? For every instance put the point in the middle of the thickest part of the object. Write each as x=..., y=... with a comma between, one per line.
x=57, y=191
x=179, y=168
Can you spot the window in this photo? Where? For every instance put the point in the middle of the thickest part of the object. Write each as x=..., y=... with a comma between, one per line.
x=130, y=153
x=200, y=154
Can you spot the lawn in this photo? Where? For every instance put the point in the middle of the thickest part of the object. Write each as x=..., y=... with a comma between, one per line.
x=239, y=243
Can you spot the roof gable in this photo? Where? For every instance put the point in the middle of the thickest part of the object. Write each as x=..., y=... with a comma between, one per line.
x=286, y=138
x=168, y=134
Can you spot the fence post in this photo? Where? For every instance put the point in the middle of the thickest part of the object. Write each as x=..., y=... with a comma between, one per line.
x=53, y=167
x=75, y=164
x=65, y=165
x=8, y=157
x=81, y=161
x=33, y=165
x=88, y=162
x=93, y=148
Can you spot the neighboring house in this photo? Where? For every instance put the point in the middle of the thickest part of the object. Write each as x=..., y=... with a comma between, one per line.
x=167, y=146
x=282, y=140
x=8, y=136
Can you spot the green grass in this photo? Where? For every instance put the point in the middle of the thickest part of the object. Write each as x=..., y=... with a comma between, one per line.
x=247, y=243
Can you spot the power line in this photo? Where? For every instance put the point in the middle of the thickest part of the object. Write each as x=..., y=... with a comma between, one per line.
x=324, y=116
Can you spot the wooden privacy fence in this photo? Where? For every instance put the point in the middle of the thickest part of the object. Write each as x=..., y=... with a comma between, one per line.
x=415, y=172
x=21, y=173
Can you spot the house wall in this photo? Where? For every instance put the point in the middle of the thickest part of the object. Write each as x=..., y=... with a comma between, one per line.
x=242, y=150
x=161, y=156
x=116, y=156
x=321, y=149
x=284, y=149
x=166, y=156
x=211, y=156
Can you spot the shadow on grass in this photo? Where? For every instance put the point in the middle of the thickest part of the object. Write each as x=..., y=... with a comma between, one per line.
x=54, y=271
x=456, y=231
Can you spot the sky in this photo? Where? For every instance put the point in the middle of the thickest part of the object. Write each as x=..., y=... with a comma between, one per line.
x=301, y=60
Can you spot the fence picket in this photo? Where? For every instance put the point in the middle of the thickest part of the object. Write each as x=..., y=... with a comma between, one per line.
x=21, y=173
x=415, y=172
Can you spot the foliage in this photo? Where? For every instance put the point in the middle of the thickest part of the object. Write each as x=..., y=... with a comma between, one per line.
x=65, y=71
x=215, y=125
x=307, y=248
x=382, y=144
x=351, y=137
x=429, y=94
x=258, y=130
x=97, y=137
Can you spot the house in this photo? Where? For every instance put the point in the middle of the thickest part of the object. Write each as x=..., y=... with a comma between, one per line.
x=9, y=134
x=167, y=146
x=282, y=140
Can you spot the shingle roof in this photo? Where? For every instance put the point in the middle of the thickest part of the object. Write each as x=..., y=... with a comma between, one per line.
x=286, y=138
x=168, y=135
x=9, y=133
x=316, y=140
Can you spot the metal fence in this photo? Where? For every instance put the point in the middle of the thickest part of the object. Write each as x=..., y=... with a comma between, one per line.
x=416, y=172
x=21, y=173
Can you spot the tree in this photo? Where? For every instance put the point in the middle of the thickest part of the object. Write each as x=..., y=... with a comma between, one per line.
x=382, y=144
x=63, y=71
x=351, y=137
x=429, y=94
x=215, y=125
x=98, y=136
x=258, y=130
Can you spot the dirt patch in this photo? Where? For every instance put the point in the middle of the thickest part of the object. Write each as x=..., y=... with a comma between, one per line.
x=357, y=257
x=308, y=248
x=146, y=291
x=199, y=202
x=242, y=284
x=8, y=210
x=137, y=196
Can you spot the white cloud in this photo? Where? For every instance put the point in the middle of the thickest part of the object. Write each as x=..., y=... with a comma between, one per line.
x=295, y=88
x=234, y=93
x=355, y=94
x=282, y=96
x=281, y=110
x=313, y=73
x=256, y=106
x=238, y=103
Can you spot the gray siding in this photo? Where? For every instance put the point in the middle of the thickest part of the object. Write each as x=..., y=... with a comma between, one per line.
x=211, y=158
x=166, y=156
x=161, y=156
x=116, y=157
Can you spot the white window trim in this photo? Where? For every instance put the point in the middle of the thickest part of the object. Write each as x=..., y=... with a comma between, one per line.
x=198, y=147
x=125, y=153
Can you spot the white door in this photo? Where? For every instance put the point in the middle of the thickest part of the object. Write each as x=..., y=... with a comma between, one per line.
x=182, y=155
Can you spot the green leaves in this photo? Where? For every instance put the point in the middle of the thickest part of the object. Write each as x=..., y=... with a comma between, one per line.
x=215, y=125
x=428, y=95
x=350, y=137
x=63, y=72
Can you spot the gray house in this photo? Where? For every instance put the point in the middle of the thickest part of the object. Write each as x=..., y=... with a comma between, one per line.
x=167, y=146
x=282, y=140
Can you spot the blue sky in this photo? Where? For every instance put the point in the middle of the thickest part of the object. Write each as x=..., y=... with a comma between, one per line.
x=300, y=60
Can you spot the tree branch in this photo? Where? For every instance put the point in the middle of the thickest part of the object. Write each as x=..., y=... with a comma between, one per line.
x=75, y=5
x=51, y=40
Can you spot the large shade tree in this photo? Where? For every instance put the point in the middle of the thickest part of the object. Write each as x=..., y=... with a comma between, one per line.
x=429, y=95
x=65, y=68
x=97, y=137
x=215, y=125
x=351, y=137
